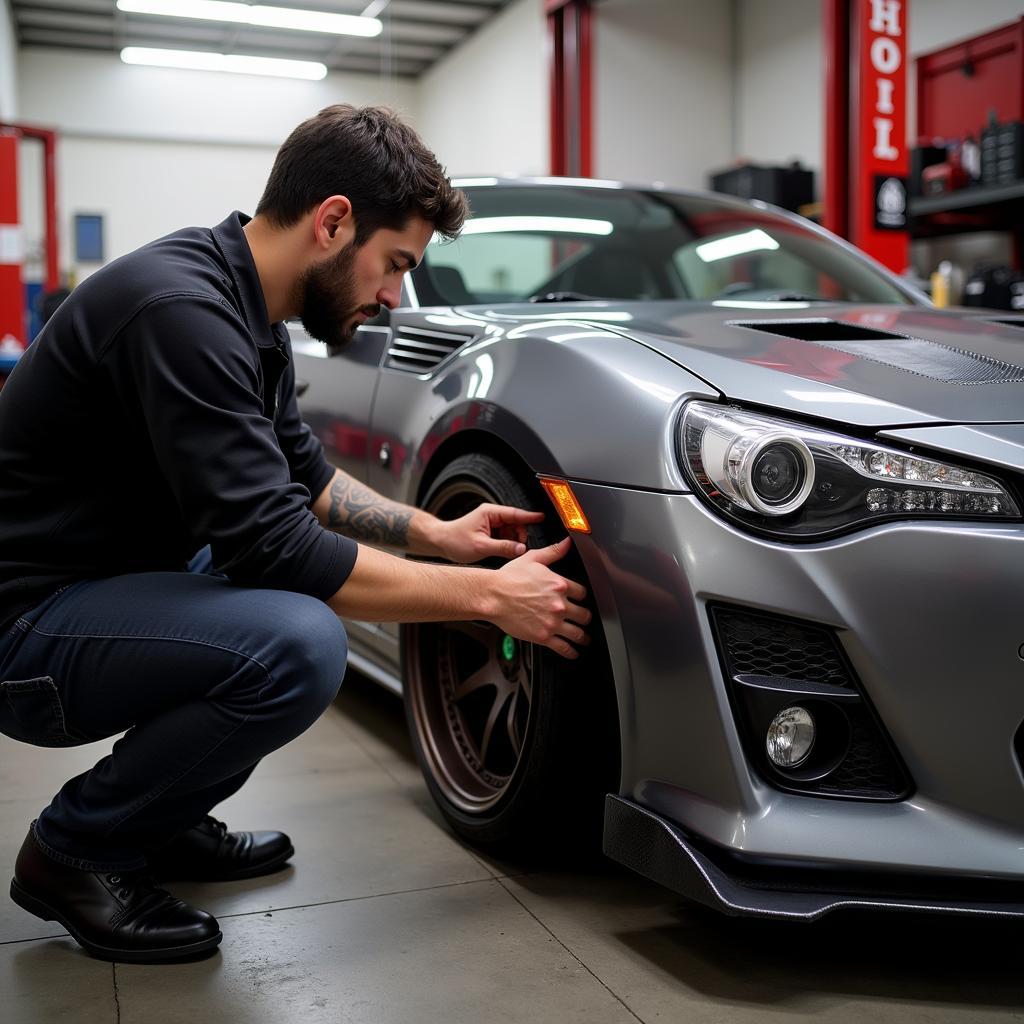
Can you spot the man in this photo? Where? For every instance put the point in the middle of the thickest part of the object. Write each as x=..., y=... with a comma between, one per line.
x=156, y=415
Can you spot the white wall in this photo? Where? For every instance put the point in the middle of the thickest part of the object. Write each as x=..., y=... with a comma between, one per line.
x=8, y=65
x=780, y=83
x=98, y=95
x=146, y=189
x=155, y=149
x=484, y=108
x=663, y=90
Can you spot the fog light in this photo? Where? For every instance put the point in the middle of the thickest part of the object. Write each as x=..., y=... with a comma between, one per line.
x=790, y=737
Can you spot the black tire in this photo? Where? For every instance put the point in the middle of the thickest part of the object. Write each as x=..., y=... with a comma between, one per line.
x=561, y=711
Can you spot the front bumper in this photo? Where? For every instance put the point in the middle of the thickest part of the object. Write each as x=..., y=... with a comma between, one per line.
x=662, y=852
x=929, y=616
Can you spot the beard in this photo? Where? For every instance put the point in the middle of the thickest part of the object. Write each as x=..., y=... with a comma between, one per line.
x=328, y=302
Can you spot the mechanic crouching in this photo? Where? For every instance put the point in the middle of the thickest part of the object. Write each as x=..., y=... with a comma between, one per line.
x=155, y=417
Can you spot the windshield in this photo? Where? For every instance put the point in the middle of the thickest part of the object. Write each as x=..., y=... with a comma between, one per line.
x=564, y=243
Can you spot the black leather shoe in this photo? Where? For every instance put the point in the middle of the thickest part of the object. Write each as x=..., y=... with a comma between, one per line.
x=210, y=853
x=114, y=916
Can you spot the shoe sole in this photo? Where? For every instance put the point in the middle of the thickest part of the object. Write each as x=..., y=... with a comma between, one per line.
x=154, y=956
x=253, y=871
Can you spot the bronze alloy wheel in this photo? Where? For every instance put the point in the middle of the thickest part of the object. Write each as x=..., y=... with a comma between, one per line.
x=517, y=745
x=470, y=690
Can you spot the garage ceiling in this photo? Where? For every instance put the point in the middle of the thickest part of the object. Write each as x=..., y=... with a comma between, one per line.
x=417, y=33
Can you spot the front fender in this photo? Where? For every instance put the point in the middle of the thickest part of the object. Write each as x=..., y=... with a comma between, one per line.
x=571, y=399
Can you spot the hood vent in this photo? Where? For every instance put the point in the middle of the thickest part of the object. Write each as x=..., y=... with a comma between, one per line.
x=817, y=330
x=417, y=350
x=912, y=355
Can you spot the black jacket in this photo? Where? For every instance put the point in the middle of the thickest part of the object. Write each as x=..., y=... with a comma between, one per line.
x=154, y=414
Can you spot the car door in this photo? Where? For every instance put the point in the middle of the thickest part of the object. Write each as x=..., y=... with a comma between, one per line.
x=336, y=390
x=421, y=341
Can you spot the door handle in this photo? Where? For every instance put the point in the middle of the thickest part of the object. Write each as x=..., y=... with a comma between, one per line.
x=301, y=387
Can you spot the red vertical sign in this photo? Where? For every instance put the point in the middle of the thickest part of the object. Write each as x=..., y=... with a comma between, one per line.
x=878, y=165
x=12, y=294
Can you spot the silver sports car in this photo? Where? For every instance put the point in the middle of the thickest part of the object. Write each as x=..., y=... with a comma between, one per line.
x=794, y=490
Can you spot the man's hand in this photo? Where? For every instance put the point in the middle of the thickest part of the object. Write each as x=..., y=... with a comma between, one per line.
x=489, y=531
x=538, y=605
x=525, y=598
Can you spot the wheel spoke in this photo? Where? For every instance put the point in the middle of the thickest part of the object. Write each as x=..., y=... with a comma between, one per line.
x=523, y=680
x=487, y=675
x=511, y=727
x=499, y=702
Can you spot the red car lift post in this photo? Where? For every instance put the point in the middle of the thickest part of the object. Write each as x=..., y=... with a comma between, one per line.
x=570, y=56
x=865, y=196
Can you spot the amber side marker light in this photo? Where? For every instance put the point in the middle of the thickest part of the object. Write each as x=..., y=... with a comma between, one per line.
x=568, y=507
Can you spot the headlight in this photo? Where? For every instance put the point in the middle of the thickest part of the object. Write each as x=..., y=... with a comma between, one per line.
x=791, y=479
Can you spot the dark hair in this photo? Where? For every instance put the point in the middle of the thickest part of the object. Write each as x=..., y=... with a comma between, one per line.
x=369, y=155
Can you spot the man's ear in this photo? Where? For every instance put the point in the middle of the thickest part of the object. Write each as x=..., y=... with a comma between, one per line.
x=333, y=224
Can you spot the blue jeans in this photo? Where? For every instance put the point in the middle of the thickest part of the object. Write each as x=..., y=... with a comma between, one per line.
x=204, y=678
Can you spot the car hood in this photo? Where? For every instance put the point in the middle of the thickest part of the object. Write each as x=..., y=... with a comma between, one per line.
x=873, y=365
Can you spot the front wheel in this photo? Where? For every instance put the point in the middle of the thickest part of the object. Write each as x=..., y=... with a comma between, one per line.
x=517, y=745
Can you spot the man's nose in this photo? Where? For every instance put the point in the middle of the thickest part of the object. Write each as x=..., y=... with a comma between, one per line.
x=389, y=295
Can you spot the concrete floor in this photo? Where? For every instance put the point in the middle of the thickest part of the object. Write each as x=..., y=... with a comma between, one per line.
x=384, y=917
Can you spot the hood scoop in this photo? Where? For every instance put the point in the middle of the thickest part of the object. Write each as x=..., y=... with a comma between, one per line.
x=912, y=355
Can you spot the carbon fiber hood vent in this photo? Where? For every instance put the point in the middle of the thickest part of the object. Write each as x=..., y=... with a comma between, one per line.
x=420, y=351
x=912, y=355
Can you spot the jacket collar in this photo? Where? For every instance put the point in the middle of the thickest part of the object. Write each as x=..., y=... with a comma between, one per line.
x=234, y=247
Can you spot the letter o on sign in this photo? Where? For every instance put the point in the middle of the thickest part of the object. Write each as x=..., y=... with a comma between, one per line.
x=885, y=55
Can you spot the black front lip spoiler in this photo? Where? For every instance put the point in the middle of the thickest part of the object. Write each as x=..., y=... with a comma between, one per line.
x=660, y=850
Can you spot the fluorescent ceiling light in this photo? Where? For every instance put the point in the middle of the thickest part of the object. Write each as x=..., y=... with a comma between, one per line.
x=552, y=225
x=235, y=62
x=735, y=245
x=257, y=14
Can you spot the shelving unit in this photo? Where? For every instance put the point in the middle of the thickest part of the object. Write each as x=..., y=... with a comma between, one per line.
x=981, y=208
x=957, y=87
x=980, y=197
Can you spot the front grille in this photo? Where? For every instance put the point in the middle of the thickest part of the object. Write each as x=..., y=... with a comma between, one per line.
x=771, y=651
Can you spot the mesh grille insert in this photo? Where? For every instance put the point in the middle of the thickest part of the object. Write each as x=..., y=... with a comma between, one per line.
x=766, y=645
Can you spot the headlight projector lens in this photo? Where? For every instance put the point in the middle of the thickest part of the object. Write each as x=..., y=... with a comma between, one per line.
x=776, y=475
x=790, y=737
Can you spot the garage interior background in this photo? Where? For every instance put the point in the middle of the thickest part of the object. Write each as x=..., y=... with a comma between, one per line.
x=681, y=88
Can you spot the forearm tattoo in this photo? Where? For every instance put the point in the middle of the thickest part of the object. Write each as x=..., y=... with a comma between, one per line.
x=358, y=512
